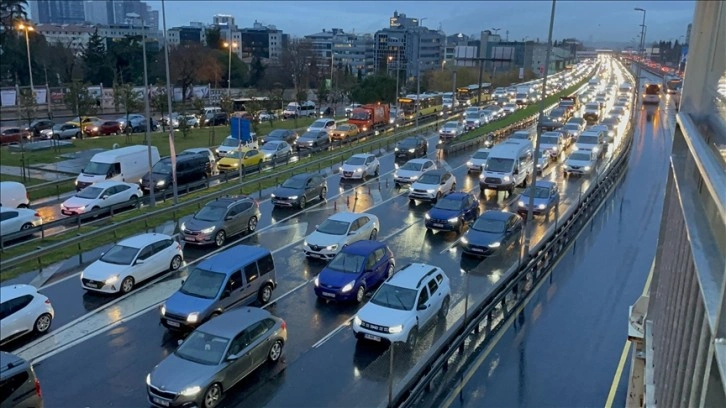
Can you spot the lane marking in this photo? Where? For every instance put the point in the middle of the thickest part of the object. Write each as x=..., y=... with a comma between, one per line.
x=333, y=332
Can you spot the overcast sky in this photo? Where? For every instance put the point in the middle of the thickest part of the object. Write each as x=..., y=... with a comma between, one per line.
x=585, y=20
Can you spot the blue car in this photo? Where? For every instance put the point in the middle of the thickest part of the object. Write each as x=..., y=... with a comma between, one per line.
x=452, y=212
x=546, y=197
x=493, y=232
x=356, y=270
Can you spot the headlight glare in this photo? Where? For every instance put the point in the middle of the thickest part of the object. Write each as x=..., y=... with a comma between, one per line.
x=191, y=391
x=193, y=317
x=348, y=287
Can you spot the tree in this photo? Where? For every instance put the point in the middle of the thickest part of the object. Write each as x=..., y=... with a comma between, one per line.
x=322, y=93
x=12, y=12
x=159, y=101
x=125, y=97
x=239, y=68
x=214, y=38
x=61, y=63
x=125, y=57
x=190, y=63
x=375, y=88
x=295, y=60
x=28, y=106
x=78, y=100
x=226, y=104
x=441, y=81
x=95, y=62
x=274, y=77
x=257, y=72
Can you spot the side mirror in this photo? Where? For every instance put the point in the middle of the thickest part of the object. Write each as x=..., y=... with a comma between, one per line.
x=179, y=342
x=139, y=261
x=104, y=197
x=229, y=217
x=351, y=233
x=422, y=307
x=226, y=293
x=233, y=357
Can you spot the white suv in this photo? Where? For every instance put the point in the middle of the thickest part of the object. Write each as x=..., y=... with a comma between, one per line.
x=360, y=166
x=22, y=311
x=404, y=305
x=432, y=185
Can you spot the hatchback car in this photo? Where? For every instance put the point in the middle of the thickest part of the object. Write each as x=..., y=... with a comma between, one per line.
x=101, y=195
x=412, y=171
x=360, y=166
x=312, y=140
x=478, y=160
x=23, y=311
x=215, y=357
x=299, y=189
x=451, y=130
x=222, y=218
x=344, y=132
x=452, y=212
x=432, y=185
x=357, y=269
x=327, y=125
x=229, y=145
x=14, y=220
x=132, y=261
x=492, y=232
x=276, y=149
x=337, y=231
x=62, y=131
x=412, y=146
x=546, y=197
x=287, y=135
x=581, y=162
x=19, y=387
x=250, y=158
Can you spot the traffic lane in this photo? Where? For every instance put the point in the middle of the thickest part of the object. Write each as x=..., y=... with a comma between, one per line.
x=586, y=300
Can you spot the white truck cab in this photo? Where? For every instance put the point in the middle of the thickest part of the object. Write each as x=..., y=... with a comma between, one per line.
x=126, y=164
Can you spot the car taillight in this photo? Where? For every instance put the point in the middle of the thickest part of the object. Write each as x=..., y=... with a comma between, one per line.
x=283, y=325
x=178, y=246
x=37, y=389
x=47, y=301
x=37, y=214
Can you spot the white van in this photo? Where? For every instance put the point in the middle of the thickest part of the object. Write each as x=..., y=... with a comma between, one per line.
x=126, y=164
x=209, y=111
x=13, y=195
x=508, y=165
x=295, y=109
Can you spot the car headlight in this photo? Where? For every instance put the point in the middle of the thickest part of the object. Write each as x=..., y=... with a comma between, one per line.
x=160, y=183
x=193, y=317
x=464, y=240
x=469, y=163
x=148, y=379
x=216, y=150
x=395, y=149
x=348, y=287
x=332, y=247
x=414, y=178
x=113, y=279
x=272, y=195
x=208, y=230
x=507, y=179
x=163, y=310
x=495, y=244
x=575, y=148
x=428, y=217
x=588, y=168
x=316, y=281
x=596, y=149
x=395, y=329
x=453, y=220
x=541, y=206
x=141, y=181
x=411, y=150
x=521, y=203
x=191, y=391
x=430, y=190
x=293, y=197
x=357, y=320
x=183, y=226
x=358, y=170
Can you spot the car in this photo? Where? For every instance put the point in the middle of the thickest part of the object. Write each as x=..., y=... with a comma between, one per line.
x=546, y=198
x=215, y=357
x=37, y=126
x=299, y=189
x=134, y=121
x=275, y=149
x=108, y=127
x=326, y=124
x=23, y=310
x=215, y=119
x=581, y=162
x=312, y=140
x=360, y=166
x=101, y=195
x=404, y=305
x=349, y=108
x=611, y=123
x=432, y=185
x=222, y=218
x=510, y=107
x=132, y=261
x=228, y=145
x=452, y=212
x=250, y=157
x=606, y=128
x=492, y=232
x=356, y=270
x=189, y=120
x=573, y=130
x=552, y=143
x=344, y=132
x=93, y=128
x=522, y=135
x=14, y=220
x=543, y=161
x=578, y=121
x=412, y=146
x=14, y=135
x=20, y=386
x=14, y=194
x=62, y=131
x=339, y=230
x=592, y=140
x=477, y=161
x=450, y=130
x=205, y=152
x=266, y=116
x=287, y=135
x=81, y=122
x=412, y=170
x=472, y=120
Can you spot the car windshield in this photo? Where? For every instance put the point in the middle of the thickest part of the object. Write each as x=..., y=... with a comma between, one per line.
x=394, y=297
x=355, y=161
x=230, y=142
x=269, y=146
x=120, y=255
x=210, y=213
x=345, y=128
x=499, y=164
x=203, y=284
x=430, y=179
x=549, y=140
x=348, y=263
x=318, y=124
x=310, y=135
x=412, y=166
x=90, y=192
x=592, y=106
x=333, y=227
x=539, y=192
x=162, y=167
x=450, y=126
x=472, y=116
x=97, y=169
x=449, y=204
x=408, y=143
x=580, y=156
x=294, y=183
x=235, y=154
x=480, y=155
x=203, y=348
x=277, y=134
x=571, y=126
x=484, y=224
x=586, y=139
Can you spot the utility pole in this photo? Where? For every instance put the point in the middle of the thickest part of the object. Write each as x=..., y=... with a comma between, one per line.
x=147, y=114
x=453, y=90
x=172, y=148
x=418, y=78
x=641, y=51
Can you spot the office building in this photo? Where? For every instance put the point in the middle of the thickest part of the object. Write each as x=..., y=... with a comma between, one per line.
x=260, y=41
x=339, y=49
x=193, y=33
x=73, y=36
x=57, y=11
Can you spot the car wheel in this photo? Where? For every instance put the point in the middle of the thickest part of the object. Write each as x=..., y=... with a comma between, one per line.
x=390, y=272
x=220, y=238
x=412, y=338
x=360, y=294
x=323, y=193
x=127, y=284
x=275, y=351
x=444, y=308
x=176, y=262
x=26, y=226
x=265, y=294
x=212, y=396
x=374, y=234
x=303, y=201
x=438, y=195
x=135, y=201
x=453, y=188
x=378, y=171
x=42, y=323
x=252, y=224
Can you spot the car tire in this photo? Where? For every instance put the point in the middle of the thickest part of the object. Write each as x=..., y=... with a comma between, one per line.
x=377, y=172
x=453, y=188
x=212, y=396
x=360, y=294
x=252, y=224
x=265, y=294
x=127, y=285
x=134, y=201
x=374, y=234
x=444, y=307
x=42, y=323
x=323, y=193
x=303, y=202
x=219, y=238
x=26, y=226
x=176, y=262
x=412, y=338
x=391, y=270
x=275, y=351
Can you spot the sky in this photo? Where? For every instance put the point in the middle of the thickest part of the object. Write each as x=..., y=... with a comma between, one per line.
x=584, y=20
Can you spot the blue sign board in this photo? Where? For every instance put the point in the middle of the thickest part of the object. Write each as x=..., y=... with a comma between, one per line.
x=241, y=129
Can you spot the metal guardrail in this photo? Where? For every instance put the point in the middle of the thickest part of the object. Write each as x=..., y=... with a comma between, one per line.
x=511, y=293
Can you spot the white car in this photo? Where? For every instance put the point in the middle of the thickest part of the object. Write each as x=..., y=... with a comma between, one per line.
x=552, y=143
x=23, y=310
x=131, y=261
x=432, y=185
x=327, y=125
x=231, y=144
x=451, y=130
x=412, y=170
x=338, y=231
x=478, y=160
x=13, y=220
x=510, y=107
x=581, y=162
x=360, y=166
x=543, y=160
x=404, y=305
x=101, y=195
x=276, y=149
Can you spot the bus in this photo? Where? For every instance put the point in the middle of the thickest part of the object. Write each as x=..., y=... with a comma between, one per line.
x=672, y=84
x=463, y=95
x=428, y=104
x=486, y=89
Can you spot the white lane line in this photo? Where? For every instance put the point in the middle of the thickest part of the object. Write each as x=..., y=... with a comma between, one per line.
x=286, y=294
x=377, y=197
x=278, y=228
x=333, y=333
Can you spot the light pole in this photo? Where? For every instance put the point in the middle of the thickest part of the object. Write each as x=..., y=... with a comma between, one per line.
x=26, y=28
x=641, y=52
x=147, y=114
x=229, y=46
x=418, y=72
x=172, y=149
x=496, y=31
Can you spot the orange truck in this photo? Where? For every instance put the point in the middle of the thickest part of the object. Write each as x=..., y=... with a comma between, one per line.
x=371, y=116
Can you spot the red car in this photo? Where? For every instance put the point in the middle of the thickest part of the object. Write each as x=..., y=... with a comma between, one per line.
x=13, y=135
x=109, y=127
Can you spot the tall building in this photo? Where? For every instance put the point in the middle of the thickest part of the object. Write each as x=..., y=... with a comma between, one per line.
x=193, y=33
x=73, y=36
x=99, y=12
x=336, y=48
x=260, y=41
x=688, y=33
x=57, y=11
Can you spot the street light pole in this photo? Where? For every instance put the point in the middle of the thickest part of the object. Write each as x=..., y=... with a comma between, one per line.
x=398, y=76
x=229, y=46
x=147, y=114
x=172, y=149
x=27, y=28
x=641, y=52
x=540, y=119
x=418, y=71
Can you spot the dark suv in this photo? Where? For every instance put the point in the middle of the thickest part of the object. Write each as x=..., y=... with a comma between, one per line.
x=412, y=147
x=221, y=218
x=189, y=168
x=299, y=189
x=287, y=135
x=19, y=387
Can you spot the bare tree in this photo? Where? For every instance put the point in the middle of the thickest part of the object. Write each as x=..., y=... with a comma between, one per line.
x=295, y=60
x=192, y=63
x=28, y=106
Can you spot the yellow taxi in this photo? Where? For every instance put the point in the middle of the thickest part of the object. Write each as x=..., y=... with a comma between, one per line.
x=85, y=120
x=251, y=157
x=344, y=131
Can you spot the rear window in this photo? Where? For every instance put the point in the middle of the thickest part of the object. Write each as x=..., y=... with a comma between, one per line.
x=266, y=264
x=10, y=385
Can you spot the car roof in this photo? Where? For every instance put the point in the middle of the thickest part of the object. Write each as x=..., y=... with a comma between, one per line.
x=230, y=260
x=347, y=216
x=457, y=195
x=233, y=321
x=362, y=155
x=438, y=172
x=363, y=247
x=410, y=275
x=9, y=362
x=496, y=215
x=543, y=183
x=13, y=291
x=141, y=240
x=227, y=201
x=419, y=160
x=107, y=184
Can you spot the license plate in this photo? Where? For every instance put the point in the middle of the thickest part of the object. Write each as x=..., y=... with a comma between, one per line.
x=330, y=295
x=477, y=250
x=161, y=402
x=372, y=337
x=439, y=225
x=172, y=323
x=191, y=239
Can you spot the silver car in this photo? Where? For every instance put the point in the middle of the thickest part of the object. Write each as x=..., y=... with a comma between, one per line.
x=221, y=218
x=215, y=357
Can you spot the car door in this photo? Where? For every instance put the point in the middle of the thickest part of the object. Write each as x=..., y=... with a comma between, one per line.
x=143, y=265
x=424, y=308
x=381, y=265
x=429, y=165
x=243, y=215
x=121, y=194
x=231, y=222
x=12, y=319
x=370, y=273
x=364, y=228
x=250, y=284
x=472, y=209
x=10, y=221
x=238, y=357
x=369, y=165
x=162, y=253
x=311, y=190
x=233, y=291
x=437, y=297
